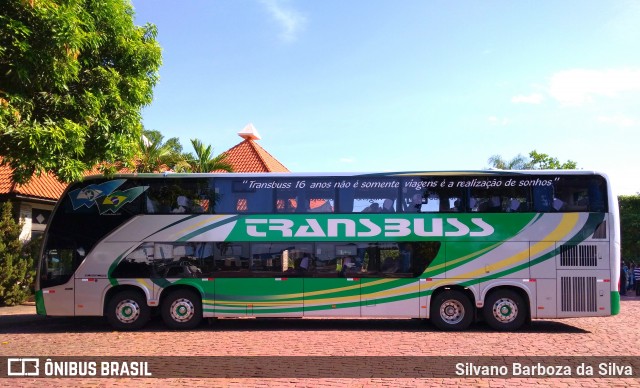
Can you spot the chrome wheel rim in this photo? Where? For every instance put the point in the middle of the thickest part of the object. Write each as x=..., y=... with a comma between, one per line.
x=452, y=311
x=505, y=310
x=127, y=311
x=182, y=310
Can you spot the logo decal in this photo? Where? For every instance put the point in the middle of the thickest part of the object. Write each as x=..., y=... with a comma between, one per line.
x=105, y=196
x=114, y=201
x=87, y=196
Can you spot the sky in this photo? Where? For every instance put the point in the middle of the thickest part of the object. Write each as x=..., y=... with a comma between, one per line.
x=372, y=85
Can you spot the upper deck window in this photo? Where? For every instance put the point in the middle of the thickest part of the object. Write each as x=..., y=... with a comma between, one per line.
x=496, y=193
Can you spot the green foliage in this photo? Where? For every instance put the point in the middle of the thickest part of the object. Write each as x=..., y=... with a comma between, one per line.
x=204, y=160
x=536, y=161
x=630, y=227
x=74, y=75
x=154, y=155
x=517, y=163
x=545, y=162
x=16, y=264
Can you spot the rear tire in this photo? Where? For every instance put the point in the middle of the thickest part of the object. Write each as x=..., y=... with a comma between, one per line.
x=451, y=311
x=182, y=310
x=504, y=310
x=128, y=310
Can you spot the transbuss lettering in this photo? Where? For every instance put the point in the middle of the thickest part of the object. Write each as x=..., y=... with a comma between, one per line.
x=374, y=229
x=487, y=230
x=342, y=227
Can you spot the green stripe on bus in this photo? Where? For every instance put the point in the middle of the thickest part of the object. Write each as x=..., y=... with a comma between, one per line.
x=112, y=280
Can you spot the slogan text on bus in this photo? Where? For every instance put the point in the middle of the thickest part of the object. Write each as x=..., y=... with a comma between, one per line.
x=416, y=184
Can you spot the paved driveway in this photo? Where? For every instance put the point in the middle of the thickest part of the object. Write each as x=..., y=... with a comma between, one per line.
x=24, y=334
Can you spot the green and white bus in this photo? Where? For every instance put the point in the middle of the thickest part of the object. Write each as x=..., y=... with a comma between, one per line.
x=452, y=247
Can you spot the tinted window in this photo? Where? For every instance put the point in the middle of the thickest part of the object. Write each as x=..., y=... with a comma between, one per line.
x=62, y=256
x=422, y=195
x=579, y=194
x=137, y=264
x=182, y=195
x=87, y=212
x=370, y=195
x=245, y=195
x=295, y=259
x=306, y=196
x=106, y=197
x=499, y=199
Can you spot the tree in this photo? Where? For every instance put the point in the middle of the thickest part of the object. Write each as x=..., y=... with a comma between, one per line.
x=73, y=77
x=630, y=227
x=16, y=265
x=204, y=160
x=517, y=163
x=154, y=155
x=545, y=162
x=536, y=161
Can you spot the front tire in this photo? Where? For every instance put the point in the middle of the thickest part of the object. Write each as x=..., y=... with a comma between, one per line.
x=504, y=310
x=451, y=311
x=182, y=310
x=128, y=310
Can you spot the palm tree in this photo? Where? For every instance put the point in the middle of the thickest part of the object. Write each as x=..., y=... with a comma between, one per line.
x=535, y=161
x=517, y=163
x=204, y=161
x=154, y=155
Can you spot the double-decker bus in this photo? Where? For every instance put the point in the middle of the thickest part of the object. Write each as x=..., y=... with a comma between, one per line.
x=452, y=247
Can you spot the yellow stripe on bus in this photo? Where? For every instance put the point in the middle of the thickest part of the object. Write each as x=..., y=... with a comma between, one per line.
x=207, y=220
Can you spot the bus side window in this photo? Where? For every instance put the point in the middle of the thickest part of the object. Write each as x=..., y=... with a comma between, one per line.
x=243, y=196
x=597, y=196
x=137, y=264
x=158, y=199
x=370, y=195
x=414, y=202
x=542, y=199
x=225, y=203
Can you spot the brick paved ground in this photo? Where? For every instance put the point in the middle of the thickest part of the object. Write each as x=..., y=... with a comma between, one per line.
x=23, y=334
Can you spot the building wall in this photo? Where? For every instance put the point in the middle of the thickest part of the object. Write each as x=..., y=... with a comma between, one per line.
x=34, y=218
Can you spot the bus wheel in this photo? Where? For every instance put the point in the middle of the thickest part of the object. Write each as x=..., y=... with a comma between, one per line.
x=182, y=309
x=128, y=310
x=451, y=310
x=504, y=310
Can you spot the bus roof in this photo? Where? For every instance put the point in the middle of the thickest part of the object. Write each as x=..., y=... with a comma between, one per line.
x=490, y=172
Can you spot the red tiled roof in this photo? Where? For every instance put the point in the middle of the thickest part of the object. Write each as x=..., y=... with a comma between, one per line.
x=45, y=186
x=96, y=171
x=248, y=156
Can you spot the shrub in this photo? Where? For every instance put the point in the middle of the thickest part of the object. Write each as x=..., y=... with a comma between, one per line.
x=16, y=264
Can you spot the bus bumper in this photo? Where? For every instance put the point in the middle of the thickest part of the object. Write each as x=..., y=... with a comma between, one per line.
x=615, y=303
x=40, y=309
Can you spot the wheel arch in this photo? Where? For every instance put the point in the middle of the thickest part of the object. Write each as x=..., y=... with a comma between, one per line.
x=124, y=287
x=470, y=293
x=176, y=287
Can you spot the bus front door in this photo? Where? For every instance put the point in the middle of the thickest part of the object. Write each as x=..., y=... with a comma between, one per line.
x=56, y=283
